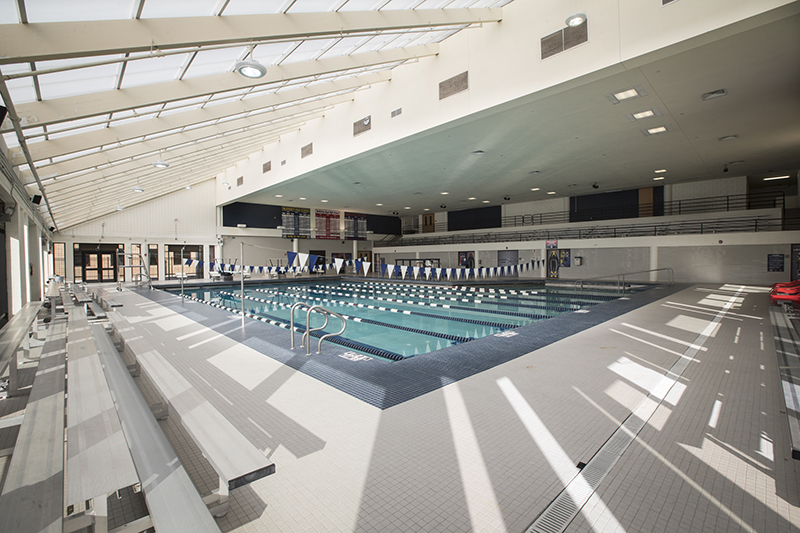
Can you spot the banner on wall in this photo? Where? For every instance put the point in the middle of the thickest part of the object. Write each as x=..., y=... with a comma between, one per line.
x=553, y=262
x=327, y=222
x=296, y=222
x=564, y=257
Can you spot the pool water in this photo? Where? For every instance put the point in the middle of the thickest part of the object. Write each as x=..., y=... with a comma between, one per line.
x=395, y=321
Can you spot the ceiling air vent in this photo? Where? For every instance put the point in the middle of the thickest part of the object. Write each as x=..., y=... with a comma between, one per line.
x=454, y=85
x=240, y=181
x=266, y=167
x=306, y=150
x=714, y=94
x=396, y=112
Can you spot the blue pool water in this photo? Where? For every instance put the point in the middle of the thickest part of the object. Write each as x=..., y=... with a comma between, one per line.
x=394, y=321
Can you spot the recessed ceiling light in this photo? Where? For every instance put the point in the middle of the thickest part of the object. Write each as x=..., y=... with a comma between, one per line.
x=324, y=201
x=626, y=94
x=551, y=192
x=535, y=189
x=137, y=189
x=119, y=208
x=486, y=201
x=302, y=198
x=658, y=178
x=160, y=164
x=728, y=138
x=471, y=198
x=278, y=196
x=576, y=19
x=444, y=193
x=660, y=171
x=534, y=172
x=356, y=183
x=250, y=68
x=657, y=129
x=406, y=207
x=379, y=205
x=644, y=114
x=478, y=152
x=426, y=209
x=776, y=178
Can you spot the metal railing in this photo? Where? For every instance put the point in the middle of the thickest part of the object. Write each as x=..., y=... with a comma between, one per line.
x=693, y=206
x=305, y=340
x=751, y=224
x=143, y=268
x=621, y=278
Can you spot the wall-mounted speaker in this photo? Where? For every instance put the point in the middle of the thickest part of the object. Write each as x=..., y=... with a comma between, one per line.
x=3, y=112
x=36, y=199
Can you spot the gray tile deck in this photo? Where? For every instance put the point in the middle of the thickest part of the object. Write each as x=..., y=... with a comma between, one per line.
x=460, y=456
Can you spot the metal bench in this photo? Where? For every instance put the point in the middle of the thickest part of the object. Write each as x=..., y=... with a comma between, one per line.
x=33, y=493
x=14, y=336
x=172, y=500
x=235, y=459
x=80, y=296
x=98, y=460
x=96, y=310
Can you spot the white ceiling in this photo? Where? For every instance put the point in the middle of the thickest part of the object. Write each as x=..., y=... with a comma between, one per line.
x=97, y=91
x=575, y=137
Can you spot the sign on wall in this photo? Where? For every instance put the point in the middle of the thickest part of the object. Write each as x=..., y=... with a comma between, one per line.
x=564, y=257
x=296, y=222
x=774, y=262
x=327, y=224
x=355, y=226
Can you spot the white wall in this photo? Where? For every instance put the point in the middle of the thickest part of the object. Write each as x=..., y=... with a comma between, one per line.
x=187, y=216
x=619, y=31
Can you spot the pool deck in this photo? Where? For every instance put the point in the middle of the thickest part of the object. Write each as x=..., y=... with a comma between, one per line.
x=484, y=436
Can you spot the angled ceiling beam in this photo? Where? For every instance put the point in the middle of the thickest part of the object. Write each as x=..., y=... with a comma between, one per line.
x=165, y=144
x=37, y=114
x=139, y=166
x=85, y=141
x=61, y=40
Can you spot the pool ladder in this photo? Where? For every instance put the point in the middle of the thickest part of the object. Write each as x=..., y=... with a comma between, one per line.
x=305, y=340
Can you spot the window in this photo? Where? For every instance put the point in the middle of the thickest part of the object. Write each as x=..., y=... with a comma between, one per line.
x=60, y=259
x=77, y=262
x=152, y=252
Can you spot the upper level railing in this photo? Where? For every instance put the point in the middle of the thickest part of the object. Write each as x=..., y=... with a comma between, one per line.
x=747, y=224
x=692, y=206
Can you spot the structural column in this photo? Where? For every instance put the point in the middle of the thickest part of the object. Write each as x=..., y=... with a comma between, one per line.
x=653, y=263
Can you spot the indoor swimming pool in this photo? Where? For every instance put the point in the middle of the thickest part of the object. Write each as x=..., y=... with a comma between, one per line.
x=395, y=320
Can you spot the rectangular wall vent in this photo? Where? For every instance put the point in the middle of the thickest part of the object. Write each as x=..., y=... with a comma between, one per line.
x=283, y=162
x=454, y=85
x=240, y=181
x=266, y=167
x=362, y=125
x=552, y=44
x=307, y=150
x=396, y=112
x=564, y=39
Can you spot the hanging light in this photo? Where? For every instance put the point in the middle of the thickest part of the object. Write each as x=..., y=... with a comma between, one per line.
x=250, y=68
x=137, y=189
x=161, y=164
x=576, y=19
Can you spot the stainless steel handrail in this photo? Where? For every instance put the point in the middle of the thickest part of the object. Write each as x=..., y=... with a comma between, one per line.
x=621, y=278
x=291, y=321
x=344, y=327
x=305, y=340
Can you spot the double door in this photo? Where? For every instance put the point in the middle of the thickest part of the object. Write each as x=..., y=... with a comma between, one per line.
x=99, y=266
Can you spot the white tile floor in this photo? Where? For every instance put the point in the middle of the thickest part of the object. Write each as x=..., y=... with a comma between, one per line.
x=462, y=459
